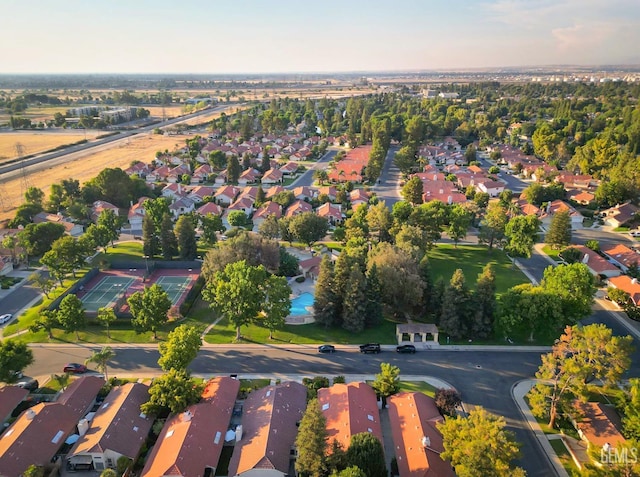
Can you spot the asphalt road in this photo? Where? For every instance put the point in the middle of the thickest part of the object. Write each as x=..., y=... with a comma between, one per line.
x=387, y=187
x=306, y=178
x=76, y=152
x=483, y=378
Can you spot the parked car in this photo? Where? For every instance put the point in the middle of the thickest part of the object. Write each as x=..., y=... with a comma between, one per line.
x=635, y=233
x=406, y=349
x=75, y=368
x=29, y=384
x=4, y=318
x=370, y=348
x=326, y=349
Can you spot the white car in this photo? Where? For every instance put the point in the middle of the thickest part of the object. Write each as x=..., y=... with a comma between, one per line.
x=5, y=318
x=635, y=233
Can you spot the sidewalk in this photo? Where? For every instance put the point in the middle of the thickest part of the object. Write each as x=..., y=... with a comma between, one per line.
x=518, y=392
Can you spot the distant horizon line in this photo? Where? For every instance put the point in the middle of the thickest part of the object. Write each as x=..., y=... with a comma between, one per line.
x=527, y=68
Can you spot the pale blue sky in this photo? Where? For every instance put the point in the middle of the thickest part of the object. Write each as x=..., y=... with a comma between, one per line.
x=258, y=36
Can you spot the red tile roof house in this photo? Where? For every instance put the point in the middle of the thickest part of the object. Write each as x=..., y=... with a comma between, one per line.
x=117, y=429
x=289, y=169
x=10, y=397
x=621, y=255
x=357, y=197
x=175, y=174
x=329, y=191
x=221, y=178
x=561, y=206
x=620, y=214
x=349, y=410
x=269, y=428
x=199, y=193
x=158, y=175
x=39, y=432
x=201, y=174
x=629, y=285
x=100, y=206
x=136, y=214
x=493, y=188
x=272, y=176
x=181, y=206
x=597, y=424
x=174, y=191
x=310, y=267
x=298, y=207
x=243, y=203
x=416, y=439
x=304, y=193
x=580, y=196
x=267, y=209
x=597, y=265
x=271, y=191
x=210, y=208
x=249, y=176
x=192, y=441
x=331, y=212
x=226, y=195
x=75, y=230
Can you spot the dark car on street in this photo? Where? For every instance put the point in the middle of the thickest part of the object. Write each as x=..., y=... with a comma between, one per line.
x=370, y=348
x=75, y=368
x=326, y=349
x=406, y=349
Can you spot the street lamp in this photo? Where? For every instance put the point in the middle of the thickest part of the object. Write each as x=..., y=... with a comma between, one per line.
x=146, y=263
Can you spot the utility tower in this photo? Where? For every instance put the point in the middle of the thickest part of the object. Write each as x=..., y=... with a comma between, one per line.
x=24, y=182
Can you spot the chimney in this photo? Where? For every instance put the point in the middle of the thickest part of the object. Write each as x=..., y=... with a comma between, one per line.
x=634, y=281
x=585, y=259
x=30, y=414
x=425, y=441
x=83, y=427
x=186, y=416
x=239, y=433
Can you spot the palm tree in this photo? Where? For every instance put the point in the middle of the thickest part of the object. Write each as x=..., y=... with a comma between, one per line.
x=101, y=358
x=62, y=380
x=321, y=176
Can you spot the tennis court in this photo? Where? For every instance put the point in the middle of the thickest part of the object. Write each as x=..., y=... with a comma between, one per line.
x=174, y=286
x=106, y=292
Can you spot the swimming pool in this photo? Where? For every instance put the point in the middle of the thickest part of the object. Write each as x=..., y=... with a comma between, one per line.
x=300, y=303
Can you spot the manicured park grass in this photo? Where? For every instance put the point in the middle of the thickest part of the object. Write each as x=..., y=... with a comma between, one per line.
x=224, y=332
x=445, y=259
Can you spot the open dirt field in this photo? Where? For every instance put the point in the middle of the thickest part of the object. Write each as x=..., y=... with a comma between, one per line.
x=34, y=142
x=142, y=148
x=171, y=111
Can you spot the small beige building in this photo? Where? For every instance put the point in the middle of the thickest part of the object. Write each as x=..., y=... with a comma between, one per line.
x=421, y=335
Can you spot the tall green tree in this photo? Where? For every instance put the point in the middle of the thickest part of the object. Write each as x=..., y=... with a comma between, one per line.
x=412, y=191
x=236, y=293
x=233, y=170
x=456, y=307
x=172, y=392
x=180, y=349
x=459, y=222
x=326, y=300
x=521, y=233
x=14, y=358
x=47, y=321
x=365, y=452
x=532, y=309
x=559, y=235
x=311, y=442
x=580, y=355
x=112, y=223
x=484, y=299
x=373, y=294
x=156, y=209
x=150, y=240
x=101, y=359
x=106, y=317
x=211, y=224
x=387, y=381
x=493, y=225
x=276, y=304
x=354, y=306
x=71, y=315
x=149, y=309
x=99, y=236
x=479, y=445
x=575, y=285
x=186, y=237
x=168, y=241
x=309, y=227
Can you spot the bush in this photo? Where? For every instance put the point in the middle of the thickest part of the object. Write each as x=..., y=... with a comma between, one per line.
x=339, y=380
x=447, y=401
x=300, y=279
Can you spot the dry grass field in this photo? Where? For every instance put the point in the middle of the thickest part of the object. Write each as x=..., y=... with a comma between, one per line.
x=35, y=113
x=34, y=142
x=141, y=148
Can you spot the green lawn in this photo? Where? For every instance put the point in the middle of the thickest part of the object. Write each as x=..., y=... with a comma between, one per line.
x=121, y=331
x=418, y=387
x=121, y=251
x=445, y=259
x=224, y=332
x=564, y=456
x=554, y=253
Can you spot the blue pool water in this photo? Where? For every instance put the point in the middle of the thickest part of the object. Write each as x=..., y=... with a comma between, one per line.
x=299, y=304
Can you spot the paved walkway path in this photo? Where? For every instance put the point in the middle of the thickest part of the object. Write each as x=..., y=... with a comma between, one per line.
x=518, y=392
